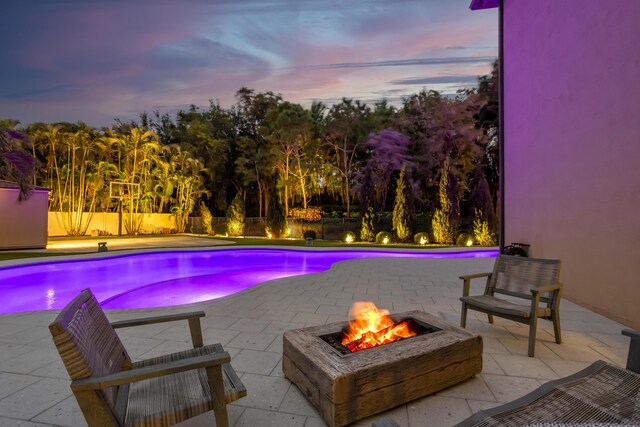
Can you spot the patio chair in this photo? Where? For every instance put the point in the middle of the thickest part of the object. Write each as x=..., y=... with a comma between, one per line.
x=601, y=394
x=111, y=390
x=529, y=282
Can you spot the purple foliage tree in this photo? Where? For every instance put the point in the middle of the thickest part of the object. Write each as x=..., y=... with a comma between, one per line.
x=481, y=196
x=16, y=163
x=388, y=153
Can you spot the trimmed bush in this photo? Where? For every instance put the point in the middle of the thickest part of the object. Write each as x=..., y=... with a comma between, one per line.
x=311, y=213
x=367, y=232
x=348, y=237
x=464, y=239
x=444, y=223
x=401, y=214
x=206, y=219
x=383, y=238
x=276, y=219
x=236, y=216
x=482, y=234
x=421, y=238
x=309, y=234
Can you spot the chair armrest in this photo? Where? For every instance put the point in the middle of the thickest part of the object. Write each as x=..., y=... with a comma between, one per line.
x=156, y=319
x=547, y=288
x=467, y=281
x=152, y=371
x=633, y=357
x=475, y=276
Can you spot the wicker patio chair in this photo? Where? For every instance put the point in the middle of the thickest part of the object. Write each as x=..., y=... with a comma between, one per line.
x=602, y=395
x=111, y=390
x=529, y=282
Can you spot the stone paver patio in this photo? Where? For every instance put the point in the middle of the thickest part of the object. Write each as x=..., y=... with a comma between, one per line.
x=34, y=387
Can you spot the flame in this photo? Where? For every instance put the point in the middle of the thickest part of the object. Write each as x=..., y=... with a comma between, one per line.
x=372, y=327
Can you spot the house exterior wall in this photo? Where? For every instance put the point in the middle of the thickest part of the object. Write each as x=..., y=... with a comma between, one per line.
x=572, y=145
x=23, y=225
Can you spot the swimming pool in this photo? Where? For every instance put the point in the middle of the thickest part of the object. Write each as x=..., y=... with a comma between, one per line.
x=160, y=279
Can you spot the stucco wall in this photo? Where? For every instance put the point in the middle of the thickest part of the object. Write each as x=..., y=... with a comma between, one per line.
x=23, y=225
x=108, y=222
x=572, y=145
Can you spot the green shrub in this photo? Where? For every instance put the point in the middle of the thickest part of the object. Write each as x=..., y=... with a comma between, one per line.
x=276, y=220
x=348, y=237
x=311, y=213
x=309, y=234
x=421, y=238
x=206, y=219
x=367, y=232
x=464, y=239
x=442, y=229
x=482, y=234
x=236, y=216
x=383, y=238
x=400, y=217
x=444, y=223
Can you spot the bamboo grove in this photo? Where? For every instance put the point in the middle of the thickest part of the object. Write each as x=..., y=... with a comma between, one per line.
x=345, y=159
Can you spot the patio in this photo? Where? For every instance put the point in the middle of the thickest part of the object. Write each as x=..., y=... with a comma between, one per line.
x=34, y=387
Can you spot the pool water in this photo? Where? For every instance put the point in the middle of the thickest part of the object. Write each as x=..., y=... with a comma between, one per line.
x=161, y=279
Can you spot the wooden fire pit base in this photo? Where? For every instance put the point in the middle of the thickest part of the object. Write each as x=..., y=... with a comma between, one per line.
x=347, y=388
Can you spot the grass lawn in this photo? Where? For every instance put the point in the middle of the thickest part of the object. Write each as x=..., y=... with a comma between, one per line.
x=257, y=241
x=18, y=255
x=245, y=241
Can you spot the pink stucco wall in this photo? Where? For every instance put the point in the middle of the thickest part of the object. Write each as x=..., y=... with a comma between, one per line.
x=23, y=225
x=572, y=144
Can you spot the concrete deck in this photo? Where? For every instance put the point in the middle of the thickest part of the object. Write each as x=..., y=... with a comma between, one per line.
x=34, y=387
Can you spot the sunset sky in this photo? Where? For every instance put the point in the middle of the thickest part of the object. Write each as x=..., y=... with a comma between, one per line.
x=93, y=61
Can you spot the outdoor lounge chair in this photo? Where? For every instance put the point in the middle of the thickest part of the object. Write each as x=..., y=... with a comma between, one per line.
x=599, y=395
x=111, y=390
x=529, y=282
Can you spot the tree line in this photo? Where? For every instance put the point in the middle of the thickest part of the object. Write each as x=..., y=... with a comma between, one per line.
x=348, y=159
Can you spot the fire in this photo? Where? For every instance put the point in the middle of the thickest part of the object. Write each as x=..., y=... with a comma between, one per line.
x=372, y=327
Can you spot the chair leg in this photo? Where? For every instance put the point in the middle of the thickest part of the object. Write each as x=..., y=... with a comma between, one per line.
x=216, y=383
x=555, y=319
x=463, y=316
x=533, y=324
x=490, y=316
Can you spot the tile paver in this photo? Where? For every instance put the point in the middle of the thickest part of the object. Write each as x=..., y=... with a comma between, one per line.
x=258, y=417
x=65, y=413
x=34, y=390
x=30, y=401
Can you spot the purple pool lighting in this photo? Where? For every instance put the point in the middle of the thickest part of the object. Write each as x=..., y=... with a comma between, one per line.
x=161, y=279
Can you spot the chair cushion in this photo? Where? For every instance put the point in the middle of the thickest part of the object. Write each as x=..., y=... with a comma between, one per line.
x=500, y=306
x=170, y=399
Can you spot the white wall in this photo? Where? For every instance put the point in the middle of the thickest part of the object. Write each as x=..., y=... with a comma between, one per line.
x=23, y=225
x=572, y=144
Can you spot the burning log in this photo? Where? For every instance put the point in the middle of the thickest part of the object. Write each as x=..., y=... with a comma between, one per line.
x=372, y=327
x=392, y=333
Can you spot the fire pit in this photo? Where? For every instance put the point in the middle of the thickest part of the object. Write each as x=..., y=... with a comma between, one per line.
x=346, y=386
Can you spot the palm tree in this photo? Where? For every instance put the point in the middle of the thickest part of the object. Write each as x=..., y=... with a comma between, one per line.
x=138, y=152
x=189, y=185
